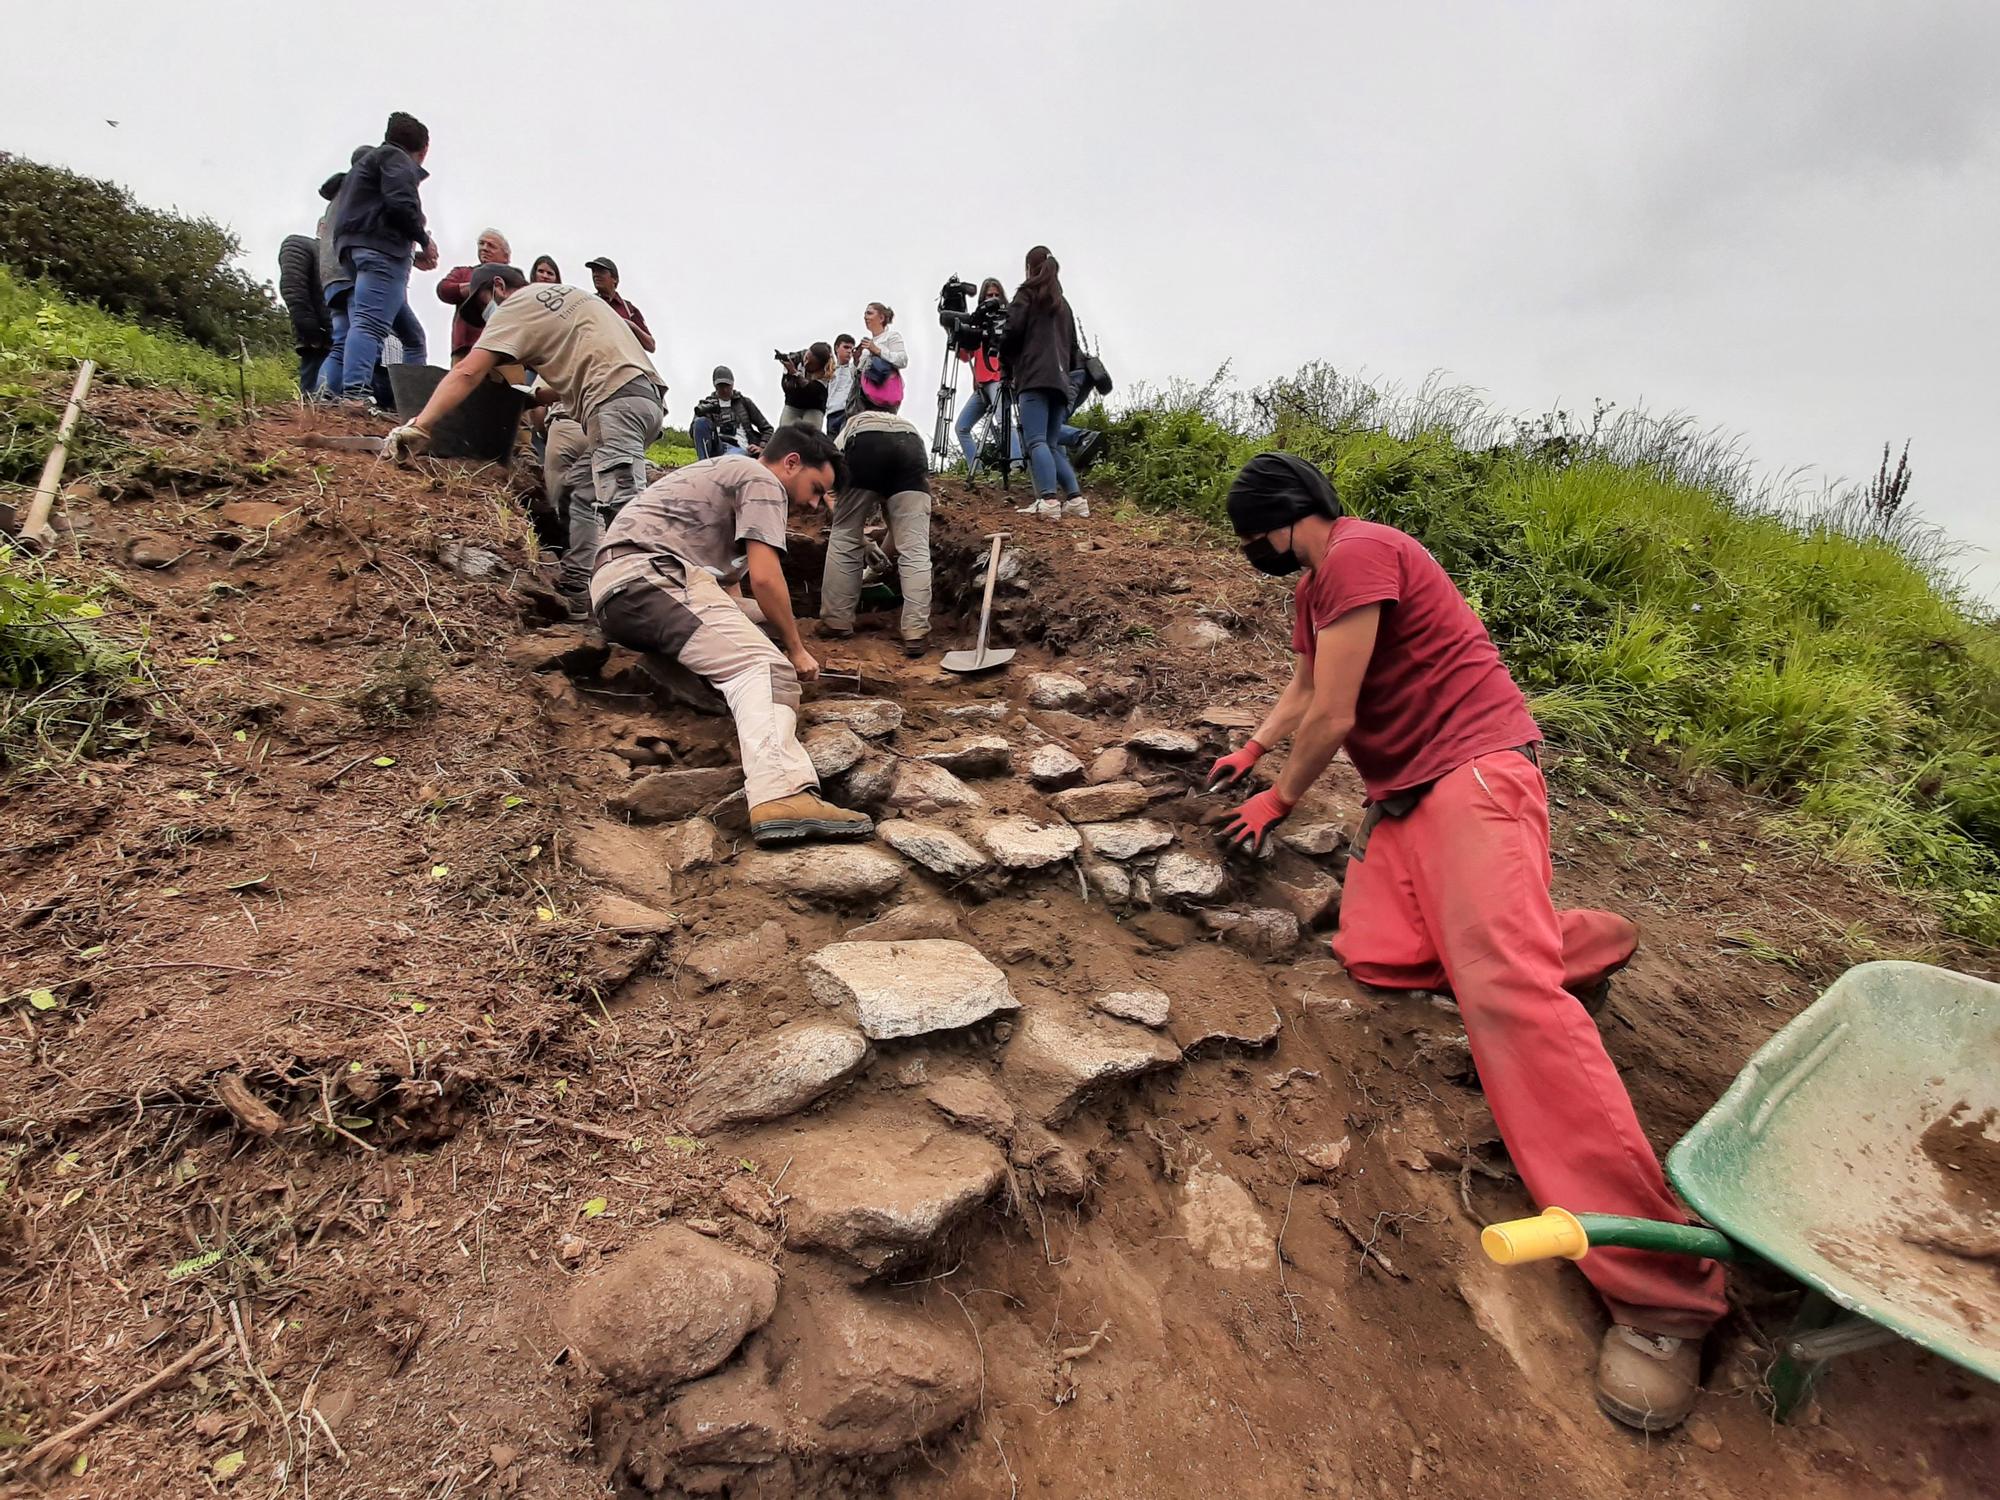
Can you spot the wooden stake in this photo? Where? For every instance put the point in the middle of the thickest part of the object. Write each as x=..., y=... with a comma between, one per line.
x=35, y=529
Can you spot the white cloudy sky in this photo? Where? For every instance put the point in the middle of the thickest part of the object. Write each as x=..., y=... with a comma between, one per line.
x=1780, y=217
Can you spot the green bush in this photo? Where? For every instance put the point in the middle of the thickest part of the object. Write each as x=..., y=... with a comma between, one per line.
x=88, y=238
x=60, y=680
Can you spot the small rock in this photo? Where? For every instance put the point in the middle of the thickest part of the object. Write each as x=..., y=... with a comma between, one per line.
x=908, y=989
x=572, y=1248
x=775, y=1075
x=833, y=748
x=1115, y=764
x=967, y=1099
x=1166, y=744
x=632, y=859
x=1703, y=1433
x=1125, y=840
x=1312, y=901
x=1147, y=1007
x=622, y=914
x=673, y=1306
x=1019, y=844
x=1049, y=766
x=869, y=782
x=692, y=845
x=1261, y=933
x=1102, y=804
x=920, y=786
x=1112, y=882
x=1054, y=1062
x=884, y=1196
x=642, y=750
x=1223, y=1223
x=1195, y=634
x=1008, y=571
x=908, y=921
x=871, y=718
x=665, y=796
x=1057, y=690
x=1180, y=876
x=983, y=755
x=153, y=552
x=558, y=648
x=730, y=960
x=978, y=713
x=1316, y=840
x=1054, y=1167
x=838, y=873
x=1327, y=1157
x=471, y=563
x=938, y=850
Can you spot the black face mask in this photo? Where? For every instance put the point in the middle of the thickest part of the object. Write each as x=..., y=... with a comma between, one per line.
x=1266, y=558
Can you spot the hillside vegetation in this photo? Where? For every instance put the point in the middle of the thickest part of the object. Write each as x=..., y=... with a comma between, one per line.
x=1649, y=593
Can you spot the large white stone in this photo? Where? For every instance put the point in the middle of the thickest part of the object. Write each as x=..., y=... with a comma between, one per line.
x=1053, y=1061
x=1223, y=1224
x=921, y=786
x=1315, y=839
x=1020, y=844
x=1125, y=840
x=908, y=989
x=1166, y=744
x=1049, y=766
x=938, y=850
x=1181, y=876
x=775, y=1075
x=672, y=1307
x=1102, y=804
x=825, y=872
x=982, y=755
x=885, y=1195
x=871, y=718
x=1147, y=1007
x=832, y=748
x=1057, y=690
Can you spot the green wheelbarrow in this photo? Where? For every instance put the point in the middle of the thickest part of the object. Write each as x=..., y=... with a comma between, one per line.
x=1858, y=1154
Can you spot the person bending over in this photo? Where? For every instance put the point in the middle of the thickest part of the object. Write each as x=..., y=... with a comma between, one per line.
x=841, y=386
x=805, y=381
x=888, y=470
x=1447, y=887
x=1039, y=351
x=664, y=583
x=589, y=360
x=726, y=420
x=493, y=250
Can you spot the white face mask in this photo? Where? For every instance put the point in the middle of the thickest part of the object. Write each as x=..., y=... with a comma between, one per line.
x=492, y=306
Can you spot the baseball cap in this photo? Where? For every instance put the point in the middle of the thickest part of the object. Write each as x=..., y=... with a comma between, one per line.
x=723, y=376
x=603, y=263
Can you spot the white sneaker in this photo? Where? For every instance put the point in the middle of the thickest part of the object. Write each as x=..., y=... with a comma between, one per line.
x=1076, y=506
x=1048, y=507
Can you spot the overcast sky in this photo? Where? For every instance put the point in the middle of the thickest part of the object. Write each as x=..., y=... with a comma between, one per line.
x=1781, y=217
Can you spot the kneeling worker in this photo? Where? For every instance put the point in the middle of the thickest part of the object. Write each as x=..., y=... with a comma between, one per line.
x=1448, y=888
x=888, y=470
x=588, y=358
x=660, y=585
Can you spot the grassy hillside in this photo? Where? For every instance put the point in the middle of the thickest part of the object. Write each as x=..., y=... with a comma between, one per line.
x=1649, y=593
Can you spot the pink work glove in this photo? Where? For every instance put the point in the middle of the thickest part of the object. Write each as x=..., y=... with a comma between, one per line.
x=1230, y=769
x=1249, y=827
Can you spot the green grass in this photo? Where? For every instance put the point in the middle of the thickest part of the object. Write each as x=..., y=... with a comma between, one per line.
x=61, y=678
x=1649, y=590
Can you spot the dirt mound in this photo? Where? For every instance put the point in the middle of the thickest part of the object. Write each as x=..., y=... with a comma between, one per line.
x=1135, y=1193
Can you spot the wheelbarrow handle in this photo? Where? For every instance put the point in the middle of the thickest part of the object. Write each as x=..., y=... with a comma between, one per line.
x=1558, y=1233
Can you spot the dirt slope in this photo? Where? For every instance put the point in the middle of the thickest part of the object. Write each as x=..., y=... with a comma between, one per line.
x=1248, y=1268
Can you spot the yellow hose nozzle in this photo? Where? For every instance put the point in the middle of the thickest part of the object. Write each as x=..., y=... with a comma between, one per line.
x=1552, y=1234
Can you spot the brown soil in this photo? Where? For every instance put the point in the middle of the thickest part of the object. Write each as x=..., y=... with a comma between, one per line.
x=1966, y=1151
x=479, y=1085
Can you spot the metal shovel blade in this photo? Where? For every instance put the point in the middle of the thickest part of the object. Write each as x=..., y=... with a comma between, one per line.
x=976, y=661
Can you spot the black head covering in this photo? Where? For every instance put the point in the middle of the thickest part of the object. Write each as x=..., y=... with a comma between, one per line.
x=1276, y=489
x=330, y=189
x=486, y=273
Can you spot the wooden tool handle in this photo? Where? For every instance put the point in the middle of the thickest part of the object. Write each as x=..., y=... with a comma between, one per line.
x=986, y=604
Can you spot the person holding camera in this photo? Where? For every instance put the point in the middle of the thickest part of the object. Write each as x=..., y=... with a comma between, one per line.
x=726, y=420
x=807, y=378
x=985, y=375
x=1038, y=353
x=887, y=471
x=881, y=358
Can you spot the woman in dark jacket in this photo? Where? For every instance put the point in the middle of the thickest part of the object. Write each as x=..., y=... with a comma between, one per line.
x=1038, y=353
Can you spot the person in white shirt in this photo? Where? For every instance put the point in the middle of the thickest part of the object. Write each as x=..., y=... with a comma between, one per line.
x=842, y=385
x=883, y=346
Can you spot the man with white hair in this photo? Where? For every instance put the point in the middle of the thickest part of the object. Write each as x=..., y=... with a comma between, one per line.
x=493, y=251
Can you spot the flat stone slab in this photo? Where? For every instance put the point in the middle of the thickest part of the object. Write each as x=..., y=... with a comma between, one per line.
x=921, y=918
x=871, y=718
x=1049, y=767
x=833, y=748
x=982, y=755
x=666, y=795
x=673, y=1306
x=1181, y=876
x=938, y=850
x=1113, y=883
x=775, y=1075
x=1262, y=932
x=1127, y=839
x=1223, y=1224
x=920, y=786
x=1057, y=690
x=622, y=914
x=1115, y=764
x=885, y=1196
x=1104, y=803
x=725, y=960
x=1021, y=844
x=972, y=1101
x=978, y=713
x=1315, y=839
x=692, y=845
x=1054, y=1062
x=632, y=859
x=909, y=988
x=825, y=872
x=1166, y=744
x=1146, y=1007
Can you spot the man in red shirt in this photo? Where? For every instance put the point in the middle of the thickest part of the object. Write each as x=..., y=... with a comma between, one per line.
x=1447, y=887
x=604, y=280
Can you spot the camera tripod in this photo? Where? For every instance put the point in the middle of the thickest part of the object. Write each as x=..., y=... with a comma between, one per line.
x=944, y=446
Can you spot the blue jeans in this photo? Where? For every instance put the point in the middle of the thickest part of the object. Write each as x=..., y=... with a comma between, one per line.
x=984, y=399
x=309, y=368
x=330, y=371
x=379, y=306
x=706, y=443
x=1042, y=413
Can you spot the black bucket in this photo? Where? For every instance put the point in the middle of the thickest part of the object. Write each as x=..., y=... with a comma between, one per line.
x=482, y=427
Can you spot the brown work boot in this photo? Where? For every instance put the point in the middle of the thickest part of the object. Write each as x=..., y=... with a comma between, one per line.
x=828, y=632
x=915, y=646
x=803, y=817
x=1647, y=1380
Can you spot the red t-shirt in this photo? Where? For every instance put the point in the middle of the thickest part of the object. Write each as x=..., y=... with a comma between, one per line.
x=1436, y=693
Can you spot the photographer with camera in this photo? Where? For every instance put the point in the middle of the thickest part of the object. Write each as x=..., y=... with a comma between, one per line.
x=1038, y=353
x=808, y=373
x=727, y=421
x=881, y=358
x=989, y=314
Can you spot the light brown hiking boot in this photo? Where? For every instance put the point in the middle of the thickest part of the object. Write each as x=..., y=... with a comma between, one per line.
x=1647, y=1380
x=803, y=817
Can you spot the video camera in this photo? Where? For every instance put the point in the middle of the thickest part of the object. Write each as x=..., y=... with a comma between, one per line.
x=970, y=328
x=791, y=361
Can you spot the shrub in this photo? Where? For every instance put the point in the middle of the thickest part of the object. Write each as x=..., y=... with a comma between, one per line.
x=89, y=238
x=60, y=680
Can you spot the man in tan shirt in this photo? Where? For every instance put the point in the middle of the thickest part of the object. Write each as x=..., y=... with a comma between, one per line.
x=588, y=359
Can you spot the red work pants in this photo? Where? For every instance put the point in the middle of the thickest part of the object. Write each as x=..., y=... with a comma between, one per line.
x=1457, y=894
